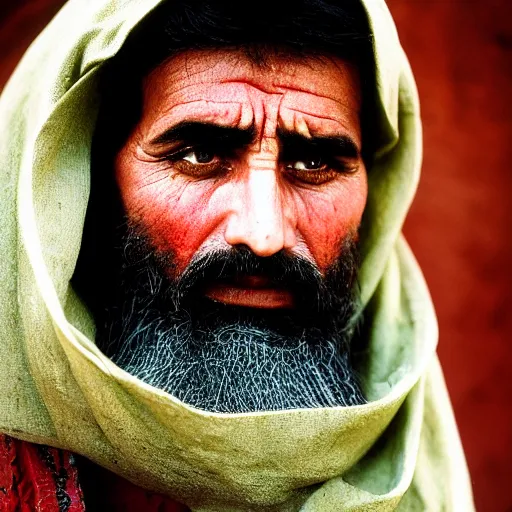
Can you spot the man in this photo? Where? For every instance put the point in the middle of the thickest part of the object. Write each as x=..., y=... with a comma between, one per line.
x=237, y=164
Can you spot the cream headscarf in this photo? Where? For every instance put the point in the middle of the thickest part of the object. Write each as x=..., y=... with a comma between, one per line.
x=401, y=451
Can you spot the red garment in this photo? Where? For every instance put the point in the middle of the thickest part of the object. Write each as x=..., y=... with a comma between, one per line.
x=37, y=478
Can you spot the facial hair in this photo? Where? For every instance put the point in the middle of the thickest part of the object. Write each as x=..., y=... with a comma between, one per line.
x=233, y=359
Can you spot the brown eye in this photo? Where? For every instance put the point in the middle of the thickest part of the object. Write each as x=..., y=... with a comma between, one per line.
x=308, y=164
x=312, y=170
x=199, y=156
x=201, y=163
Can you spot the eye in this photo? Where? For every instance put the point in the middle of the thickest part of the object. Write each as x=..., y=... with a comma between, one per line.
x=199, y=162
x=308, y=164
x=312, y=170
x=199, y=156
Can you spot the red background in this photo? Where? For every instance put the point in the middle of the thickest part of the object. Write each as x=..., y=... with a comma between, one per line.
x=460, y=51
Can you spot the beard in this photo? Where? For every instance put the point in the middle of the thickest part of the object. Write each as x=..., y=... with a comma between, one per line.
x=225, y=358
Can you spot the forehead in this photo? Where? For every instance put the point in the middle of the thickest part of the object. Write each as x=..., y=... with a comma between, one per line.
x=313, y=73
x=215, y=82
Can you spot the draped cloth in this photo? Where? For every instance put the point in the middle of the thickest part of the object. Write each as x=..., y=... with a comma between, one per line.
x=400, y=451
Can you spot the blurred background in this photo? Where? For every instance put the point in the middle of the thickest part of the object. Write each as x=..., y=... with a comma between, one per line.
x=459, y=225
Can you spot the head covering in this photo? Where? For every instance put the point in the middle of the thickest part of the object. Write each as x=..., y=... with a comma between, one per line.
x=400, y=451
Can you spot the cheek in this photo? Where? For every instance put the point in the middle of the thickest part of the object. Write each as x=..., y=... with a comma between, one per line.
x=176, y=215
x=330, y=215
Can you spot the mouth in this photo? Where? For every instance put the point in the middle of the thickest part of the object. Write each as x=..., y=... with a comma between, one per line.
x=252, y=292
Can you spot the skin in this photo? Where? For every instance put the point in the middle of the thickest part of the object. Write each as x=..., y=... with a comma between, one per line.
x=189, y=196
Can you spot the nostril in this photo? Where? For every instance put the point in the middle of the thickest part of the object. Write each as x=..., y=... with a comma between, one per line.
x=242, y=247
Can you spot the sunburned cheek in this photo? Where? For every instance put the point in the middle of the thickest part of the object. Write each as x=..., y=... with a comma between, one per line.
x=178, y=234
x=326, y=222
x=176, y=216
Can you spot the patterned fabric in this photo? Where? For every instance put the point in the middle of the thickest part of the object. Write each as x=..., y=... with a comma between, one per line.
x=37, y=478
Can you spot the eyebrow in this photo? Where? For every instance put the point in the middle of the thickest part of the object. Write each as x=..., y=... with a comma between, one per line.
x=199, y=132
x=340, y=145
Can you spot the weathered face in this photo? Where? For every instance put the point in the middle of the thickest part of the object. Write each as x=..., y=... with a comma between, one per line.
x=228, y=153
x=233, y=282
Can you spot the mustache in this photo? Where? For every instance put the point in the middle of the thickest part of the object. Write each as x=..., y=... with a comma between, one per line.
x=282, y=270
x=136, y=267
x=316, y=295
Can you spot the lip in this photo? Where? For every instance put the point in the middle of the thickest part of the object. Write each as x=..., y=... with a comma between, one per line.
x=251, y=291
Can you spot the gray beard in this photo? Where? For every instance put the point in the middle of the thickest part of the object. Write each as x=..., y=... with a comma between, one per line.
x=230, y=359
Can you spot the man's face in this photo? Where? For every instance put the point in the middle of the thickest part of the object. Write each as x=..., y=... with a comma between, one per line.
x=228, y=153
x=243, y=187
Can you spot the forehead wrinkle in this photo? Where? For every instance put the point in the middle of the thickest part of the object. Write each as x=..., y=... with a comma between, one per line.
x=187, y=65
x=191, y=63
x=301, y=126
x=201, y=101
x=271, y=115
x=329, y=105
x=313, y=115
x=205, y=91
x=267, y=101
x=287, y=90
x=182, y=90
x=248, y=84
x=310, y=126
x=193, y=66
x=233, y=118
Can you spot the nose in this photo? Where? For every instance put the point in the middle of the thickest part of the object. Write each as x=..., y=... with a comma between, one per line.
x=260, y=217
